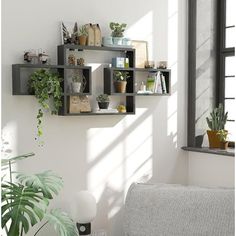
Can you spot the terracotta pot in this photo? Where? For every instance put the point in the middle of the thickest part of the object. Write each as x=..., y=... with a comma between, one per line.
x=82, y=40
x=224, y=145
x=120, y=86
x=214, y=139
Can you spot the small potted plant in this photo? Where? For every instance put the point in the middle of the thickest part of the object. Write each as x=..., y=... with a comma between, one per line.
x=76, y=83
x=120, y=81
x=216, y=122
x=223, y=135
x=103, y=101
x=117, y=32
x=83, y=34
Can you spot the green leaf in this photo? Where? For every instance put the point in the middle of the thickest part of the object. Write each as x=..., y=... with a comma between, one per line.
x=62, y=223
x=47, y=182
x=17, y=158
x=18, y=207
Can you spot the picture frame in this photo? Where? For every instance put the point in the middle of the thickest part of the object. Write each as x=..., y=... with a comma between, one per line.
x=141, y=52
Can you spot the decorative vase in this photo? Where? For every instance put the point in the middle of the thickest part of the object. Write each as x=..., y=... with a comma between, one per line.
x=106, y=41
x=214, y=139
x=117, y=40
x=126, y=41
x=76, y=86
x=120, y=86
x=103, y=105
x=82, y=40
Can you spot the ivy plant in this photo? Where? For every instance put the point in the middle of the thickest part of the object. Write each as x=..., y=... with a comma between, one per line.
x=45, y=85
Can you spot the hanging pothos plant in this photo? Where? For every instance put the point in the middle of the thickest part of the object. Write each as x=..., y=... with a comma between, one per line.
x=46, y=87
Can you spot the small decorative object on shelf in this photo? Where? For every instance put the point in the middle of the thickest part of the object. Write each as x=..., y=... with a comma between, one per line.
x=78, y=83
x=69, y=32
x=103, y=101
x=80, y=62
x=71, y=60
x=90, y=33
x=117, y=32
x=143, y=87
x=118, y=62
x=120, y=81
x=216, y=123
x=162, y=64
x=74, y=105
x=107, y=41
x=121, y=108
x=36, y=58
x=97, y=35
x=43, y=57
x=83, y=34
x=223, y=135
x=149, y=64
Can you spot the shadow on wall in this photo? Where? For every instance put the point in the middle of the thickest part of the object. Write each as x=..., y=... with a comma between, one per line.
x=109, y=153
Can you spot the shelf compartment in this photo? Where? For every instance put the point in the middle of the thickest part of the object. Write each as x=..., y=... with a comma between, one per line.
x=97, y=114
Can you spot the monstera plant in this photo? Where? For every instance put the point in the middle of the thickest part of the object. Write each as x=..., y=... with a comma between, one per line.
x=25, y=202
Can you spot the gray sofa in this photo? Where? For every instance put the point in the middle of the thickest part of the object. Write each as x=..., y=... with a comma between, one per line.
x=175, y=210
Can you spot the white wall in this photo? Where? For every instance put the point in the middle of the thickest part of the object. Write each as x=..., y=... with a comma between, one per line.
x=101, y=154
x=211, y=170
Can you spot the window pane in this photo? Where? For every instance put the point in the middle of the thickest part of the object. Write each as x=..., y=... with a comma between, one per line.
x=230, y=87
x=230, y=107
x=230, y=126
x=230, y=12
x=229, y=66
x=230, y=37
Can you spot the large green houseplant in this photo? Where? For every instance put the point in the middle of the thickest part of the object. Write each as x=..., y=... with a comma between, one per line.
x=216, y=122
x=45, y=85
x=25, y=202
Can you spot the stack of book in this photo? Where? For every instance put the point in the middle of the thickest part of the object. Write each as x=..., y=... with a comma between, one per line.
x=156, y=83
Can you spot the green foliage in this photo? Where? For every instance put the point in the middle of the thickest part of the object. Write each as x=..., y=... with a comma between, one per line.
x=47, y=182
x=218, y=118
x=117, y=29
x=223, y=134
x=62, y=223
x=22, y=206
x=45, y=85
x=82, y=31
x=103, y=98
x=121, y=75
x=25, y=203
x=77, y=79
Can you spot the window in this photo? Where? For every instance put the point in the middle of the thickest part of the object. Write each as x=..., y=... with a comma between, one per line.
x=227, y=85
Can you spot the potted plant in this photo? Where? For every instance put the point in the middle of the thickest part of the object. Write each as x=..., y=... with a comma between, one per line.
x=83, y=34
x=120, y=81
x=223, y=135
x=103, y=101
x=45, y=85
x=216, y=122
x=25, y=202
x=117, y=32
x=76, y=83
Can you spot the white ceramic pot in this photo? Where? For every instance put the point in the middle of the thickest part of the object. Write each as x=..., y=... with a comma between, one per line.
x=117, y=40
x=126, y=41
x=76, y=86
x=106, y=41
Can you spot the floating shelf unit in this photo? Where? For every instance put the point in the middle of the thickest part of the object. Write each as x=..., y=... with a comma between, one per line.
x=21, y=73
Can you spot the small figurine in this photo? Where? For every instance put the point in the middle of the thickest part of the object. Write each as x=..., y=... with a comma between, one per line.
x=43, y=58
x=71, y=60
x=80, y=62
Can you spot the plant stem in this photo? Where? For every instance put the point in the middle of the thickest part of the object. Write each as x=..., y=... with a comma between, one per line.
x=41, y=228
x=10, y=171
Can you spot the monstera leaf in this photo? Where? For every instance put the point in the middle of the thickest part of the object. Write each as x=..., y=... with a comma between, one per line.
x=47, y=182
x=62, y=223
x=22, y=206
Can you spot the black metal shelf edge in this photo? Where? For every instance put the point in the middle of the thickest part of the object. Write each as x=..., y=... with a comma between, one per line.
x=50, y=66
x=101, y=48
x=151, y=70
x=96, y=113
x=153, y=94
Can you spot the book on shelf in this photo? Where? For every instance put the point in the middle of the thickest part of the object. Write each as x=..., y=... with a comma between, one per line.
x=163, y=83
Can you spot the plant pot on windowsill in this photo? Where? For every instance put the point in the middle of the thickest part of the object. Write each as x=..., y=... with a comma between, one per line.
x=214, y=139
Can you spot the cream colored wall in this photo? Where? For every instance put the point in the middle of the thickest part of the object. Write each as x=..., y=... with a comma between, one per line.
x=103, y=154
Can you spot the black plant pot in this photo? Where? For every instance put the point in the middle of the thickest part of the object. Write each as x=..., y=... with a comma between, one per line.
x=103, y=105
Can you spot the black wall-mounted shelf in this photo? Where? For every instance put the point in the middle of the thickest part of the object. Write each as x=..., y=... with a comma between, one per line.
x=21, y=73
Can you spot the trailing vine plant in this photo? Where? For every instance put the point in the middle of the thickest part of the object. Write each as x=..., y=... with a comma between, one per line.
x=45, y=85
